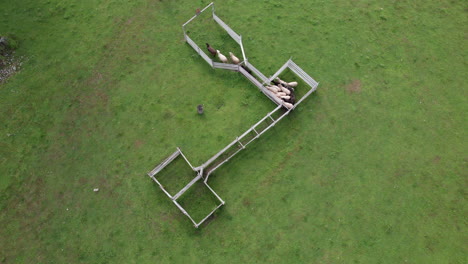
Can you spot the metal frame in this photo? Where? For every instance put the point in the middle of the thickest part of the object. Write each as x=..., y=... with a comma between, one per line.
x=174, y=198
x=238, y=141
x=290, y=64
x=204, y=171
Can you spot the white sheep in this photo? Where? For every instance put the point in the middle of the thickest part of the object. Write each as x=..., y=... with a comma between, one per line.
x=276, y=88
x=272, y=89
x=280, y=94
x=281, y=81
x=222, y=57
x=286, y=97
x=285, y=90
x=292, y=84
x=234, y=58
x=288, y=105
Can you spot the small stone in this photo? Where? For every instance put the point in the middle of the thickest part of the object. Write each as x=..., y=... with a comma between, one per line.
x=96, y=190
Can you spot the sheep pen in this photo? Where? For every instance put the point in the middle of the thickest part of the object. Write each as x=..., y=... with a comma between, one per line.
x=282, y=93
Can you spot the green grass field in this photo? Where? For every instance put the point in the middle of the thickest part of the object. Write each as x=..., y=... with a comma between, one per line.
x=369, y=169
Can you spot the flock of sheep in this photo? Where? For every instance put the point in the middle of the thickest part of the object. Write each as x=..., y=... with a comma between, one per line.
x=284, y=91
x=281, y=89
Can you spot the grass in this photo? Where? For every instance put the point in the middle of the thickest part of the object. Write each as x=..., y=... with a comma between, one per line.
x=301, y=89
x=369, y=169
x=198, y=201
x=206, y=30
x=176, y=175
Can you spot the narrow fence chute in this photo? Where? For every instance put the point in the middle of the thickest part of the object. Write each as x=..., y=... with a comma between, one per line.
x=269, y=94
x=257, y=72
x=226, y=66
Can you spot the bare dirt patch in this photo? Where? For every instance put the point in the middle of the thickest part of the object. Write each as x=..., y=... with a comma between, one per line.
x=354, y=86
x=246, y=202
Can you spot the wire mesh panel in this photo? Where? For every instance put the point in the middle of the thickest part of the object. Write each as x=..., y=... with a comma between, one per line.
x=231, y=32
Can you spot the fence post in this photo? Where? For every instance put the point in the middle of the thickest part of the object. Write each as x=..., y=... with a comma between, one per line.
x=242, y=49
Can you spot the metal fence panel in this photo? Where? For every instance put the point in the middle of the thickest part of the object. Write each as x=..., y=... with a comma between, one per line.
x=183, y=190
x=163, y=164
x=206, y=58
x=279, y=71
x=251, y=78
x=304, y=97
x=204, y=219
x=242, y=49
x=227, y=66
x=257, y=72
x=303, y=76
x=198, y=50
x=208, y=162
x=192, y=18
x=270, y=95
x=306, y=76
x=191, y=43
x=231, y=32
x=306, y=80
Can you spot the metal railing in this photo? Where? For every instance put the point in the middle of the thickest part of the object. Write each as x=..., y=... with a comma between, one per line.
x=226, y=66
x=236, y=37
x=152, y=174
x=258, y=73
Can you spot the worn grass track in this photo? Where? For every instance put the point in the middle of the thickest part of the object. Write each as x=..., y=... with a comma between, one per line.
x=370, y=169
